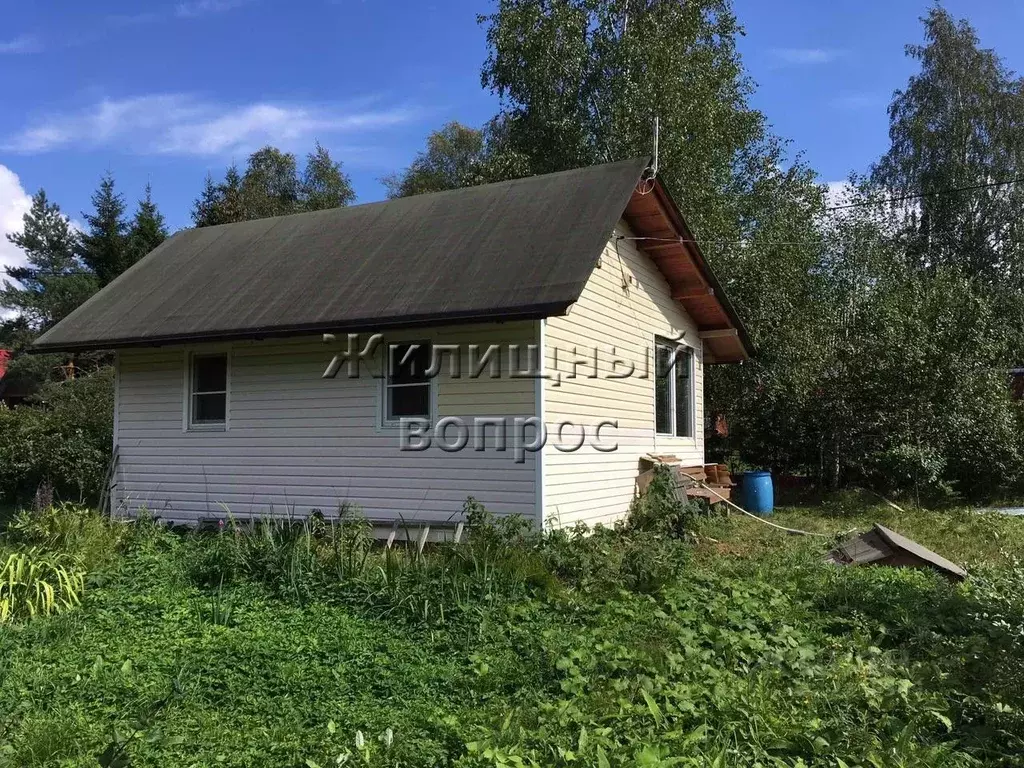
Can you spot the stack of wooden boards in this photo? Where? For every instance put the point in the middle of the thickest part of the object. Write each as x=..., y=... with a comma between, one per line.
x=690, y=481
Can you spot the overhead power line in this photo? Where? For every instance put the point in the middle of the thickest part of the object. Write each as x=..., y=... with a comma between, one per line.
x=897, y=199
x=919, y=195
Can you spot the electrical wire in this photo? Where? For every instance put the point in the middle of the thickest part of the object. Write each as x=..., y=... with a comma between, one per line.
x=720, y=242
x=830, y=209
x=917, y=196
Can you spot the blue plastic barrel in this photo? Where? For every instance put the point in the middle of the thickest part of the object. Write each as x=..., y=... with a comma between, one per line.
x=757, y=494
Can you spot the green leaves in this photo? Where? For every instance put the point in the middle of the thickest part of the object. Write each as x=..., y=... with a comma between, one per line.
x=64, y=442
x=271, y=186
x=770, y=659
x=35, y=583
x=653, y=707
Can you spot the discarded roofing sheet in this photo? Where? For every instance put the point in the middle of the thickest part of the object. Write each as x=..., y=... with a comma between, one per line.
x=882, y=546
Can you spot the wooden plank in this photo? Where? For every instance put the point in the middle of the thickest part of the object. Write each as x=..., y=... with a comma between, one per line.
x=391, y=535
x=714, y=496
x=693, y=293
x=108, y=479
x=647, y=245
x=423, y=538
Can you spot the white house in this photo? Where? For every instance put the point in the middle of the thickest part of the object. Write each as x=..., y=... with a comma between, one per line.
x=576, y=300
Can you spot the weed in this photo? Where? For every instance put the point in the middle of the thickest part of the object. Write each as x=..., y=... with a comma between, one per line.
x=72, y=529
x=34, y=583
x=659, y=509
x=606, y=647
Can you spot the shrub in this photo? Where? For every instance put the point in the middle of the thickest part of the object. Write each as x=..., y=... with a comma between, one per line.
x=659, y=509
x=63, y=437
x=77, y=531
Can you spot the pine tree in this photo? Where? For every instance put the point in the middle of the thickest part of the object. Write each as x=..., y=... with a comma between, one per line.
x=148, y=229
x=53, y=281
x=232, y=204
x=324, y=184
x=206, y=208
x=104, y=247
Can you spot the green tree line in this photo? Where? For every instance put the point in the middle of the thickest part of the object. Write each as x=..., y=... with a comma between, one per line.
x=884, y=330
x=65, y=266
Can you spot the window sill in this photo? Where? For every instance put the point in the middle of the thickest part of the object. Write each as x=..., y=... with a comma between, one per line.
x=395, y=426
x=667, y=436
x=206, y=428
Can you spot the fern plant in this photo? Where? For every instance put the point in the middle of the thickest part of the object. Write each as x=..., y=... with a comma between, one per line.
x=35, y=583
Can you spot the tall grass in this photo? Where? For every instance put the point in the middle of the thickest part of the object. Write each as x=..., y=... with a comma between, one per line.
x=34, y=583
x=78, y=532
x=297, y=557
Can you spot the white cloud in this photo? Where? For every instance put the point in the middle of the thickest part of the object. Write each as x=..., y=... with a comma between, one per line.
x=180, y=124
x=806, y=55
x=191, y=10
x=22, y=44
x=14, y=204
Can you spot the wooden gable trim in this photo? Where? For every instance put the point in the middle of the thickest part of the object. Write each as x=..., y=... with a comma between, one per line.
x=662, y=234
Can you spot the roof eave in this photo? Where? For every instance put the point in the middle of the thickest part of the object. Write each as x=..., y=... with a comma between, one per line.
x=528, y=312
x=673, y=211
x=665, y=237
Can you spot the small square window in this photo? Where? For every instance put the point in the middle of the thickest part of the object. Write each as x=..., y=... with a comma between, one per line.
x=208, y=390
x=407, y=386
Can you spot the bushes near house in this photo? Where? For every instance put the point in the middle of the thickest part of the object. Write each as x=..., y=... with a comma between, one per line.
x=62, y=440
x=301, y=644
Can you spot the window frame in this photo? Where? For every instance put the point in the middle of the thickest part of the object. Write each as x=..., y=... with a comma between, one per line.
x=677, y=349
x=188, y=424
x=383, y=392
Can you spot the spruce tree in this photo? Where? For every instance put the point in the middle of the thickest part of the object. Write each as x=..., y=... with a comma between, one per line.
x=104, y=247
x=53, y=282
x=148, y=229
x=206, y=209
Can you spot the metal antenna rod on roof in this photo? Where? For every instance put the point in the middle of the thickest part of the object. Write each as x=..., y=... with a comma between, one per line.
x=654, y=162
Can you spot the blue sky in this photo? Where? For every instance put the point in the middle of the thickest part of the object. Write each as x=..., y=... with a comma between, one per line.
x=168, y=90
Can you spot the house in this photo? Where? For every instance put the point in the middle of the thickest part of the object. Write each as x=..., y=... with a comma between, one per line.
x=524, y=343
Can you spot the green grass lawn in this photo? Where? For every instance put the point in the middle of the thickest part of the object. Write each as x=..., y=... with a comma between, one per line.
x=308, y=647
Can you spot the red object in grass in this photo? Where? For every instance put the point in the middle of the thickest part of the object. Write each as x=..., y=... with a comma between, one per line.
x=5, y=355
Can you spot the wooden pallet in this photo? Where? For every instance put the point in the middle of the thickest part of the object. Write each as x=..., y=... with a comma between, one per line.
x=690, y=481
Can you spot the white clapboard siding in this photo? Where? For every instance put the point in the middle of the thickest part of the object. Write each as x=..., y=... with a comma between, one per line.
x=296, y=441
x=620, y=322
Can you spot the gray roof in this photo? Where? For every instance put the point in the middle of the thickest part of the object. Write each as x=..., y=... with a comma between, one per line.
x=512, y=250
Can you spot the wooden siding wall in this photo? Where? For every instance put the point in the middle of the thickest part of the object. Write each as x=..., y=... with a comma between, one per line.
x=296, y=441
x=589, y=485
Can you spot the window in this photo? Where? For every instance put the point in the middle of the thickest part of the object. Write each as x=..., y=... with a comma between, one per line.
x=208, y=391
x=673, y=389
x=407, y=388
